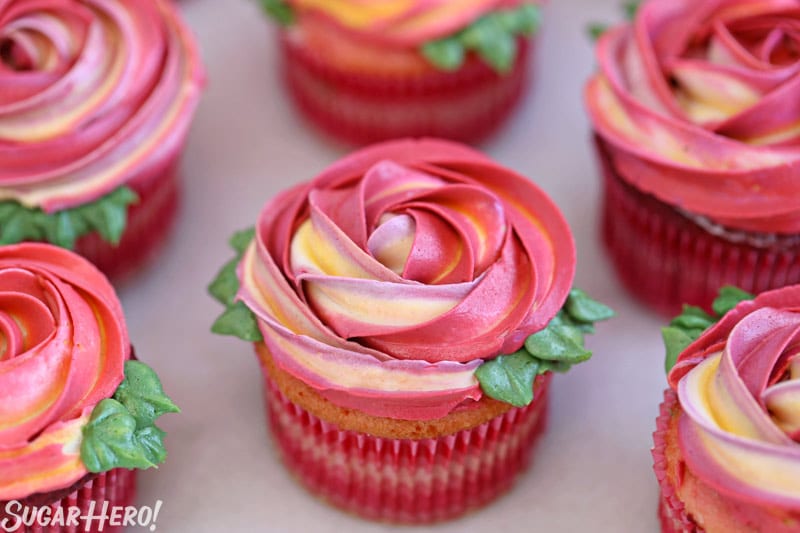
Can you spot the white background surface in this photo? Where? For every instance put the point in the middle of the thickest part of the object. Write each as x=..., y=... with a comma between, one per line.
x=592, y=472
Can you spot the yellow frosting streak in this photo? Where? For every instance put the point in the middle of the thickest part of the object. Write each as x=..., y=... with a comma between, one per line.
x=711, y=96
x=312, y=252
x=358, y=15
x=379, y=310
x=391, y=378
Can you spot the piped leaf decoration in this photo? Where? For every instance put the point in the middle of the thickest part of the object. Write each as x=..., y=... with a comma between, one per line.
x=142, y=394
x=237, y=320
x=630, y=8
x=729, y=297
x=109, y=440
x=556, y=348
x=121, y=432
x=687, y=327
x=279, y=10
x=494, y=37
x=108, y=216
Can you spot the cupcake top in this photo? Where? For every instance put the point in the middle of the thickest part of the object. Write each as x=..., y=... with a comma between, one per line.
x=443, y=31
x=697, y=102
x=95, y=92
x=64, y=354
x=739, y=387
x=390, y=279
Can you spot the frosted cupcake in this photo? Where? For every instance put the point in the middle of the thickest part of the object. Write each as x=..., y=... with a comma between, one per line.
x=695, y=109
x=77, y=416
x=96, y=102
x=367, y=72
x=408, y=307
x=727, y=446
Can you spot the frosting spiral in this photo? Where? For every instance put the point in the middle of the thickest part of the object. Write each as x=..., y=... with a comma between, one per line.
x=739, y=387
x=93, y=93
x=63, y=345
x=384, y=282
x=407, y=23
x=699, y=104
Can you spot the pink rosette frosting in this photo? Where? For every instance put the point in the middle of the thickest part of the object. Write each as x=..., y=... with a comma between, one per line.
x=63, y=345
x=739, y=389
x=387, y=280
x=93, y=93
x=698, y=102
x=405, y=23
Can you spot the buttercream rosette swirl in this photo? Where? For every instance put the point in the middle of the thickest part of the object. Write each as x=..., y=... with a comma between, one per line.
x=739, y=389
x=63, y=347
x=698, y=104
x=94, y=93
x=405, y=23
x=385, y=282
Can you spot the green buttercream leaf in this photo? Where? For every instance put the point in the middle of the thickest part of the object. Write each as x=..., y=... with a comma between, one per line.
x=596, y=30
x=107, y=215
x=584, y=310
x=693, y=321
x=559, y=341
x=242, y=239
x=280, y=11
x=109, y=440
x=226, y=284
x=675, y=340
x=446, y=54
x=631, y=8
x=554, y=366
x=729, y=297
x=142, y=394
x=509, y=378
x=238, y=321
x=151, y=442
x=493, y=37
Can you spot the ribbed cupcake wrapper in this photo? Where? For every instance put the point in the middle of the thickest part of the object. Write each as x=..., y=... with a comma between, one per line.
x=467, y=105
x=406, y=481
x=666, y=260
x=149, y=224
x=671, y=510
x=117, y=487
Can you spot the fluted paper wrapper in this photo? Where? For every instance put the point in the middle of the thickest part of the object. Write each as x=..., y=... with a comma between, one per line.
x=666, y=259
x=117, y=487
x=406, y=481
x=466, y=105
x=671, y=511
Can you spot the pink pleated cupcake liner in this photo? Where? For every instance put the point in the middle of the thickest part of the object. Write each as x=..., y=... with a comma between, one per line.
x=666, y=259
x=467, y=105
x=149, y=224
x=671, y=510
x=117, y=487
x=406, y=481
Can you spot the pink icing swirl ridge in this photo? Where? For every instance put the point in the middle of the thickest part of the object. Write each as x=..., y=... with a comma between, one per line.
x=63, y=345
x=94, y=92
x=739, y=387
x=387, y=280
x=699, y=103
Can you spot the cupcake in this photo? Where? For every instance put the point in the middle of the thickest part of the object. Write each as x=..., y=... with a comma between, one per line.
x=77, y=411
x=96, y=100
x=408, y=307
x=727, y=445
x=697, y=123
x=365, y=73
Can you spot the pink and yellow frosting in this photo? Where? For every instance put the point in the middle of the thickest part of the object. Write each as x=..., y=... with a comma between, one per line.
x=94, y=93
x=405, y=23
x=698, y=103
x=63, y=346
x=739, y=391
x=385, y=282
